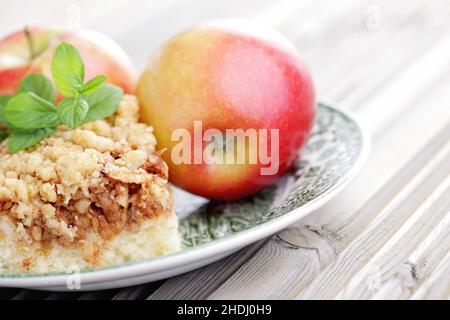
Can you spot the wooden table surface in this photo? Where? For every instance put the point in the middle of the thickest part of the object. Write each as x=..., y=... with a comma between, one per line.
x=388, y=234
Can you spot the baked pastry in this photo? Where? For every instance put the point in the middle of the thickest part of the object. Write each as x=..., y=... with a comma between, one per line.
x=90, y=197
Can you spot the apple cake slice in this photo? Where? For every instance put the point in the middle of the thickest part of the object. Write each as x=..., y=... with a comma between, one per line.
x=90, y=197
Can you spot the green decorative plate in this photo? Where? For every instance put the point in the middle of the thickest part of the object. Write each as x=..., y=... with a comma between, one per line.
x=334, y=153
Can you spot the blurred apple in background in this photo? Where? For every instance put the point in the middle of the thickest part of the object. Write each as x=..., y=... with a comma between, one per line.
x=31, y=50
x=229, y=74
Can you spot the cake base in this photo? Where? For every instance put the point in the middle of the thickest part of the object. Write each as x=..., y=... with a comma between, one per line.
x=153, y=237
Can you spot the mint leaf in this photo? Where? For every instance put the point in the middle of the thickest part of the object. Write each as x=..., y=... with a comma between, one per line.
x=31, y=114
x=21, y=139
x=3, y=135
x=72, y=111
x=39, y=85
x=103, y=102
x=68, y=70
x=3, y=102
x=93, y=84
x=29, y=111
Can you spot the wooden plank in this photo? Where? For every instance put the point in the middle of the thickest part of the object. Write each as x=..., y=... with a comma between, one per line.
x=339, y=63
x=390, y=261
x=438, y=285
x=137, y=292
x=99, y=295
x=412, y=86
x=420, y=266
x=192, y=285
x=284, y=260
x=328, y=283
x=31, y=295
x=388, y=43
x=432, y=251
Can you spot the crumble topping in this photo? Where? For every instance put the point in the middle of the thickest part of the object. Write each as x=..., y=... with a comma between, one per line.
x=103, y=176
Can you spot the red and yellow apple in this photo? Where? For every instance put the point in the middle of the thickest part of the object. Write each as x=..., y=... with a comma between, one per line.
x=31, y=50
x=227, y=74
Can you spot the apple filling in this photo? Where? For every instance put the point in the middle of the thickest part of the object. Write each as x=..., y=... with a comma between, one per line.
x=108, y=209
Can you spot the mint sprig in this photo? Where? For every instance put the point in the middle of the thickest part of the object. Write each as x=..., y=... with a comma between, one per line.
x=31, y=115
x=72, y=111
x=68, y=70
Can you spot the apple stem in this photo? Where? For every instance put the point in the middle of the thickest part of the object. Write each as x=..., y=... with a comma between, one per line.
x=30, y=42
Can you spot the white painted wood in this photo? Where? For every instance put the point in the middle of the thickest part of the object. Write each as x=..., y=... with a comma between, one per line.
x=438, y=285
x=355, y=256
x=387, y=263
x=192, y=285
x=393, y=220
x=422, y=263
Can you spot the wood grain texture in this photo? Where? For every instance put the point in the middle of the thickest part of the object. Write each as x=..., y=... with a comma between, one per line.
x=437, y=286
x=191, y=286
x=387, y=235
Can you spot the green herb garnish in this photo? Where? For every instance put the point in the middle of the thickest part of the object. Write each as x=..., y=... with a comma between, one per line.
x=102, y=103
x=68, y=70
x=31, y=115
x=29, y=111
x=20, y=139
x=72, y=111
x=3, y=102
